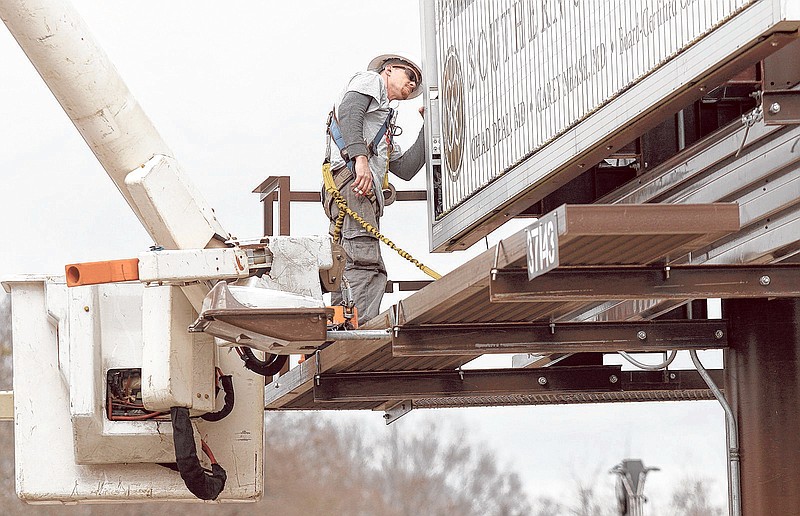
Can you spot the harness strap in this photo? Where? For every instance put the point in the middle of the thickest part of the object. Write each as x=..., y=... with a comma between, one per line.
x=335, y=133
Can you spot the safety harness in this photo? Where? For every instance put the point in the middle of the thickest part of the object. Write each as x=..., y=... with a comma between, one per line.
x=333, y=132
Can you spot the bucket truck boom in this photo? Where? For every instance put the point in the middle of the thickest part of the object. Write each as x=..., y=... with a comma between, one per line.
x=100, y=365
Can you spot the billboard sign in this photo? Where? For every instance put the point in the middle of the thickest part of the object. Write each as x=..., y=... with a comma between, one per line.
x=522, y=86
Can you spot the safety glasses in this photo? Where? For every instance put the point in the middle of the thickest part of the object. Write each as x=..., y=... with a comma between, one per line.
x=410, y=73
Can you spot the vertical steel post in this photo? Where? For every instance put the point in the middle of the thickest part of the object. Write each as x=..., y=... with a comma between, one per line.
x=269, y=216
x=762, y=382
x=284, y=204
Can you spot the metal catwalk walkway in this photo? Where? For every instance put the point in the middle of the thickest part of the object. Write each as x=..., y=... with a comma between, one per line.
x=480, y=307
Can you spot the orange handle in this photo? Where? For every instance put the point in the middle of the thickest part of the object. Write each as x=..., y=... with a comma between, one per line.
x=93, y=273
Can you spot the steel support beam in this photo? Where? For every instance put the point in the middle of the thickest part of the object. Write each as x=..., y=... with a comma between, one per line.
x=406, y=285
x=402, y=386
x=781, y=104
x=280, y=186
x=315, y=197
x=762, y=383
x=781, y=107
x=571, y=337
x=593, y=283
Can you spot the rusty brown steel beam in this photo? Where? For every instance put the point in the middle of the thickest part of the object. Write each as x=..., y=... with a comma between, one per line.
x=278, y=188
x=305, y=196
x=267, y=186
x=413, y=385
x=598, y=283
x=763, y=386
x=284, y=205
x=571, y=337
x=271, y=188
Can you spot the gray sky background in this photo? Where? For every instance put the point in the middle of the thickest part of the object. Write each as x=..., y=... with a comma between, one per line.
x=240, y=92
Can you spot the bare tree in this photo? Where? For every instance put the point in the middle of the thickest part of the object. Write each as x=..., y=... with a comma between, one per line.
x=429, y=472
x=585, y=500
x=422, y=473
x=546, y=506
x=691, y=498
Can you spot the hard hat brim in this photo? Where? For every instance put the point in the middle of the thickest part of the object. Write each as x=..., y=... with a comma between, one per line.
x=377, y=63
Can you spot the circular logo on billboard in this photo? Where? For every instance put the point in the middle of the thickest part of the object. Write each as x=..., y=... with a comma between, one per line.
x=453, y=113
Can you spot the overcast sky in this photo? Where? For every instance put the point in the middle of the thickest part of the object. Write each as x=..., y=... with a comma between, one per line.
x=240, y=92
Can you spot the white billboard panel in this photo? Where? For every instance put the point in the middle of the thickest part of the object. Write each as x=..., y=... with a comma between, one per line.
x=515, y=77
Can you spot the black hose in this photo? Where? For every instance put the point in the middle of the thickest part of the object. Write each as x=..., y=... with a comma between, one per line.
x=227, y=386
x=201, y=483
x=268, y=367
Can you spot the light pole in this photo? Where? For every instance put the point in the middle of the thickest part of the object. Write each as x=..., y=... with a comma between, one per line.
x=631, y=474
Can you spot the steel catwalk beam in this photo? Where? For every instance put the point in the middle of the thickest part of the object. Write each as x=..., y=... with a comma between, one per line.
x=591, y=283
x=402, y=386
x=575, y=337
x=587, y=234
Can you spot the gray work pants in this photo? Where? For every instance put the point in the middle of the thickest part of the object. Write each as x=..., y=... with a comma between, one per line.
x=367, y=276
x=364, y=268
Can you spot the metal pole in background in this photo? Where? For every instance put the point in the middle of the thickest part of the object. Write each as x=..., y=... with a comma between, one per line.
x=630, y=486
x=762, y=384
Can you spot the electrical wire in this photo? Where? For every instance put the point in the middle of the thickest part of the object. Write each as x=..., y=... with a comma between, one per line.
x=648, y=367
x=141, y=417
x=207, y=451
x=227, y=386
x=200, y=482
x=268, y=367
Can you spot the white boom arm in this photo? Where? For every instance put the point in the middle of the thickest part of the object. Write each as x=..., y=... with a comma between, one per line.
x=122, y=329
x=94, y=96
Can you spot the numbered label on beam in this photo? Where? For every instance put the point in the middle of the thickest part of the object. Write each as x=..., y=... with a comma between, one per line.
x=542, y=245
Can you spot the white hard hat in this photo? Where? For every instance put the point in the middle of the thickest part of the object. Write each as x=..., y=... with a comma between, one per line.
x=377, y=64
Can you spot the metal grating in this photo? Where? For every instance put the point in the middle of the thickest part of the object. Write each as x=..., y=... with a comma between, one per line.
x=306, y=402
x=564, y=399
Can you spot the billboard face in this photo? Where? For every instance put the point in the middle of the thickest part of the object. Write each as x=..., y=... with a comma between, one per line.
x=515, y=75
